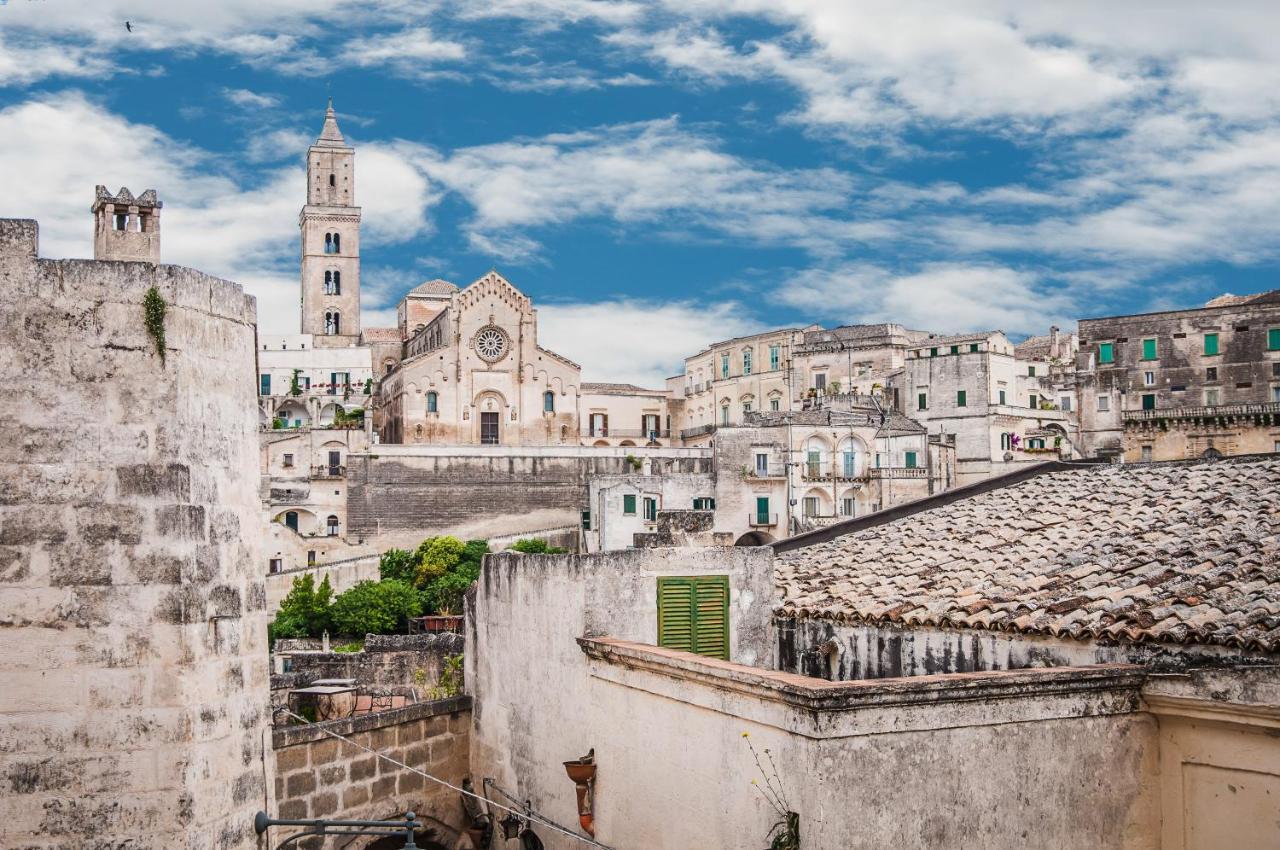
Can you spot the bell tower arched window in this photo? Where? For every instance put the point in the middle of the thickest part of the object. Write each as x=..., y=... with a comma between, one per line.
x=549, y=402
x=332, y=323
x=328, y=243
x=337, y=243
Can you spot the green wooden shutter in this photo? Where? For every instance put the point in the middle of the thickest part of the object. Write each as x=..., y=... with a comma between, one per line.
x=675, y=613
x=1273, y=338
x=1106, y=353
x=693, y=614
x=962, y=398
x=1148, y=349
x=629, y=504
x=911, y=460
x=1210, y=343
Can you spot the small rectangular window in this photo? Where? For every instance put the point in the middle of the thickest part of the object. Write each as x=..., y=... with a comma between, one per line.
x=1211, y=398
x=1148, y=401
x=277, y=564
x=773, y=357
x=775, y=404
x=762, y=464
x=650, y=509
x=933, y=352
x=1064, y=403
x=973, y=347
x=1148, y=349
x=1275, y=370
x=288, y=459
x=629, y=505
x=1149, y=379
x=1211, y=374
x=1033, y=402
x=961, y=398
x=1106, y=352
x=922, y=401
x=1002, y=397
x=1146, y=454
x=810, y=505
x=1273, y=339
x=264, y=385
x=762, y=510
x=1275, y=393
x=1031, y=371
x=746, y=362
x=1104, y=403
x=910, y=460
x=586, y=520
x=724, y=365
x=820, y=381
x=955, y=349
x=1210, y=344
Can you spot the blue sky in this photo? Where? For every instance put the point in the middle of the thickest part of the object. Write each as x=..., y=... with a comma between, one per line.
x=661, y=175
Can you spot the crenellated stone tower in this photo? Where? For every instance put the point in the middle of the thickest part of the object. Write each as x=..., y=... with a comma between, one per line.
x=125, y=227
x=330, y=225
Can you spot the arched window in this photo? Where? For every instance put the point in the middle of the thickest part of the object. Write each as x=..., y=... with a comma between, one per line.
x=291, y=519
x=548, y=402
x=328, y=283
x=328, y=243
x=337, y=283
x=433, y=402
x=332, y=323
x=337, y=243
x=331, y=525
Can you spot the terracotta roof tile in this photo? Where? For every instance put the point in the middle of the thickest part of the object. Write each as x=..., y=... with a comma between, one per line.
x=1177, y=553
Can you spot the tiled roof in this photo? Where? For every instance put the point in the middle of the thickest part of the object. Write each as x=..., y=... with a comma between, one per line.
x=616, y=389
x=1033, y=347
x=434, y=287
x=1175, y=553
x=380, y=334
x=980, y=336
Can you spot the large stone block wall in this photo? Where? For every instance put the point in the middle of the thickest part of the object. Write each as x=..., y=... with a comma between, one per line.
x=132, y=621
x=410, y=660
x=435, y=493
x=319, y=776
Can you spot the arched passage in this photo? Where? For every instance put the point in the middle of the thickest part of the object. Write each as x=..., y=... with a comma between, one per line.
x=754, y=538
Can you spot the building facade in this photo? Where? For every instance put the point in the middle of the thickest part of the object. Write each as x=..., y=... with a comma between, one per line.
x=1183, y=383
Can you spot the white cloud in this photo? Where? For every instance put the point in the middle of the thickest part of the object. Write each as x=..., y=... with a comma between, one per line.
x=945, y=297
x=408, y=50
x=654, y=173
x=636, y=341
x=250, y=99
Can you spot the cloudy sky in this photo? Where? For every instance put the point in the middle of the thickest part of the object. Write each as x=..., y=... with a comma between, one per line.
x=657, y=175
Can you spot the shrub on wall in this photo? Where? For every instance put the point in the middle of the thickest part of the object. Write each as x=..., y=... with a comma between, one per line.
x=536, y=546
x=399, y=565
x=375, y=607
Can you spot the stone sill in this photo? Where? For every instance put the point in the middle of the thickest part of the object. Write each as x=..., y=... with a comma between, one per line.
x=820, y=710
x=289, y=736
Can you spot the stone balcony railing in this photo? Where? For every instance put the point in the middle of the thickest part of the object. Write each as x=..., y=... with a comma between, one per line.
x=328, y=471
x=1270, y=408
x=698, y=431
x=900, y=472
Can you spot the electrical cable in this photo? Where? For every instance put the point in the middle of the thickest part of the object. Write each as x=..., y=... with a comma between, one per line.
x=529, y=815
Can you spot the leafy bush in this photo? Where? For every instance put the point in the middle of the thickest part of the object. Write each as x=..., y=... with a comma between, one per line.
x=437, y=556
x=450, y=682
x=305, y=612
x=397, y=565
x=375, y=607
x=536, y=546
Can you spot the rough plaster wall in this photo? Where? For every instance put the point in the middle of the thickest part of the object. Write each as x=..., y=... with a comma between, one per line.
x=675, y=775
x=418, y=664
x=528, y=676
x=873, y=652
x=132, y=623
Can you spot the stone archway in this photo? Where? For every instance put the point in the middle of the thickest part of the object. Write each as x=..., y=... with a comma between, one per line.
x=754, y=538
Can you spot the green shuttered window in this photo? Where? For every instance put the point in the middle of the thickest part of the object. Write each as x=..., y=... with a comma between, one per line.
x=1273, y=339
x=1210, y=344
x=1106, y=353
x=693, y=614
x=1148, y=349
x=629, y=505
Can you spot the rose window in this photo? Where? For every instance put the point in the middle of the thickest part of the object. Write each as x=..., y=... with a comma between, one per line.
x=491, y=344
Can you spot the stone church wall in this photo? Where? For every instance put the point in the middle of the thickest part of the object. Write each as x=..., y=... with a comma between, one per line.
x=132, y=623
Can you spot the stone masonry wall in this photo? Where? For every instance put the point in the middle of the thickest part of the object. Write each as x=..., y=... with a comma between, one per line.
x=439, y=492
x=412, y=660
x=132, y=622
x=318, y=776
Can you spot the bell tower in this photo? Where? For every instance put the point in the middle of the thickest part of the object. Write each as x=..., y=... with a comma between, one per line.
x=330, y=225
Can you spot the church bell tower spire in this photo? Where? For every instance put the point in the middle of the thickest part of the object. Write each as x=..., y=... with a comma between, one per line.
x=330, y=225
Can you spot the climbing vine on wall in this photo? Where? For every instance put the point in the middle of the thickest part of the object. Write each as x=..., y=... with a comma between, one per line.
x=153, y=306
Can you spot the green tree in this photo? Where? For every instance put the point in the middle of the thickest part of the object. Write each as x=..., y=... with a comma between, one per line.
x=437, y=556
x=399, y=565
x=305, y=611
x=375, y=607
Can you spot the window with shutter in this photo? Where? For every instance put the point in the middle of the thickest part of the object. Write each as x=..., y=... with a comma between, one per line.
x=1106, y=352
x=1148, y=349
x=693, y=614
x=629, y=505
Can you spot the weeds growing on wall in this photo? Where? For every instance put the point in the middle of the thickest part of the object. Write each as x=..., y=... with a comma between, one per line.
x=785, y=834
x=153, y=308
x=450, y=683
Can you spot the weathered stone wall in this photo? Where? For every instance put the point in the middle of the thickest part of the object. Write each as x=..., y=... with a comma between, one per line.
x=410, y=660
x=132, y=621
x=318, y=776
x=847, y=651
x=342, y=575
x=435, y=492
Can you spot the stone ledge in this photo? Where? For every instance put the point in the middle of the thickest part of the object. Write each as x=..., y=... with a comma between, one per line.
x=820, y=710
x=293, y=735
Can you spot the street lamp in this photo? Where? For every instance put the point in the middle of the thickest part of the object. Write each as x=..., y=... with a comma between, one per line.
x=406, y=827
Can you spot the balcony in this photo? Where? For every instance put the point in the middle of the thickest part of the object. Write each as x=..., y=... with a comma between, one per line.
x=899, y=472
x=328, y=471
x=632, y=433
x=755, y=520
x=699, y=431
x=773, y=470
x=820, y=520
x=1260, y=409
